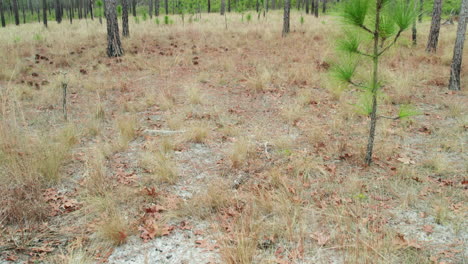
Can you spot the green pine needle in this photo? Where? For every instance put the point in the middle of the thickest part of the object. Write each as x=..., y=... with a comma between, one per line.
x=355, y=12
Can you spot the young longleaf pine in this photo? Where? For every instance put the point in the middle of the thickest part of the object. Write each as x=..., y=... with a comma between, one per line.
x=371, y=28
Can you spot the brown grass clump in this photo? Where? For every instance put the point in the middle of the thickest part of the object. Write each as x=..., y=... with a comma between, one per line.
x=198, y=133
x=161, y=167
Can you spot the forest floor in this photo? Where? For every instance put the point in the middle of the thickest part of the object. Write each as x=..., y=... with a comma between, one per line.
x=211, y=145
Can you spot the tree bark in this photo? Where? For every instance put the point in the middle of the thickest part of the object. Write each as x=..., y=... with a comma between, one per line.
x=16, y=12
x=435, y=27
x=223, y=6
x=125, y=30
x=114, y=47
x=166, y=6
x=2, y=14
x=209, y=6
x=324, y=6
x=307, y=6
x=134, y=4
x=455, y=69
x=44, y=12
x=287, y=7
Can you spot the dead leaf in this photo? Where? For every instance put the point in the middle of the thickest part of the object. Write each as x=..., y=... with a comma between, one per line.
x=406, y=160
x=428, y=229
x=320, y=237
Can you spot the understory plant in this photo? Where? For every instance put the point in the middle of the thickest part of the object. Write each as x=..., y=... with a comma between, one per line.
x=371, y=27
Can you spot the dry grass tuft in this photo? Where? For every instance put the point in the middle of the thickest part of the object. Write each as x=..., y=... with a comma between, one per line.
x=127, y=127
x=239, y=152
x=197, y=133
x=161, y=166
x=114, y=229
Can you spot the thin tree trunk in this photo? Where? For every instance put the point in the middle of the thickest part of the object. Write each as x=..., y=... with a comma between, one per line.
x=435, y=27
x=150, y=7
x=287, y=7
x=209, y=6
x=324, y=6
x=421, y=10
x=125, y=30
x=166, y=6
x=156, y=9
x=223, y=6
x=134, y=4
x=316, y=11
x=454, y=83
x=91, y=13
x=375, y=83
x=16, y=12
x=44, y=12
x=307, y=6
x=114, y=47
x=414, y=30
x=2, y=14
x=57, y=12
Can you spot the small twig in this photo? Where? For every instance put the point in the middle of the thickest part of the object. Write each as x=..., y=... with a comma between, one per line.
x=389, y=117
x=391, y=44
x=366, y=29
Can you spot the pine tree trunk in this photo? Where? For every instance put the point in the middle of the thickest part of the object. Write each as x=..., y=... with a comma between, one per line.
x=125, y=29
x=2, y=14
x=91, y=9
x=114, y=47
x=316, y=11
x=57, y=12
x=166, y=6
x=134, y=4
x=44, y=12
x=287, y=7
x=375, y=83
x=221, y=9
x=156, y=9
x=454, y=83
x=150, y=11
x=307, y=6
x=324, y=6
x=421, y=10
x=16, y=12
x=435, y=27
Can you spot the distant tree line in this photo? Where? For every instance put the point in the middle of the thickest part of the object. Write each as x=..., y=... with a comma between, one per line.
x=24, y=11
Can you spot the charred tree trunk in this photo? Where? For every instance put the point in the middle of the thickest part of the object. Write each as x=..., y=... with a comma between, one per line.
x=435, y=27
x=2, y=14
x=16, y=12
x=114, y=47
x=454, y=83
x=44, y=12
x=125, y=30
x=287, y=7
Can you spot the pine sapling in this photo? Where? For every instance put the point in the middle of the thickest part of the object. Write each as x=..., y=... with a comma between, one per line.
x=383, y=21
